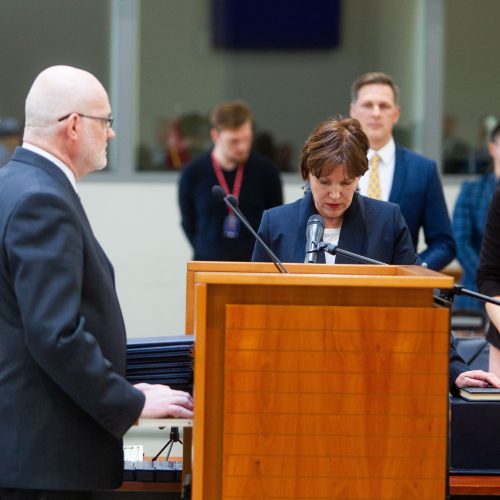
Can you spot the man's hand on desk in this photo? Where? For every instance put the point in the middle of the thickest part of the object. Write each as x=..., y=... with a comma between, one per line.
x=161, y=402
x=477, y=378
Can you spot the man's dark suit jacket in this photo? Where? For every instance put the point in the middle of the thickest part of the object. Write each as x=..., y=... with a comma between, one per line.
x=416, y=188
x=372, y=228
x=64, y=404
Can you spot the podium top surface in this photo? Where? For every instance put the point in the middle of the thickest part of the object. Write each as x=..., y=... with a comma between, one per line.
x=318, y=275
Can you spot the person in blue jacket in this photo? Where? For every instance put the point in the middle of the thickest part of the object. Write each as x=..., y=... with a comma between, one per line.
x=469, y=220
x=406, y=178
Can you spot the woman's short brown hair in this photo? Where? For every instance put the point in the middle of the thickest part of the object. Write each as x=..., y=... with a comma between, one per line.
x=333, y=143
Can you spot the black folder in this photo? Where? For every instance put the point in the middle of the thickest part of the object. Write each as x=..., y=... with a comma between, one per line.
x=161, y=360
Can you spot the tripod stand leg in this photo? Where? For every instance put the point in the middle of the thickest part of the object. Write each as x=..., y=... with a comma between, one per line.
x=174, y=438
x=169, y=442
x=169, y=449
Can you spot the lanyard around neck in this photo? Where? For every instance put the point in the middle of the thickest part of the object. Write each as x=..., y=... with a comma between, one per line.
x=238, y=180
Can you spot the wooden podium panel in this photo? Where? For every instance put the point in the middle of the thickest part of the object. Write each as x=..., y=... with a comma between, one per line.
x=320, y=386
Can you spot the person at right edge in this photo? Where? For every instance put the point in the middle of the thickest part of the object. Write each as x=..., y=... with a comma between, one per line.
x=469, y=220
x=333, y=159
x=399, y=175
x=488, y=278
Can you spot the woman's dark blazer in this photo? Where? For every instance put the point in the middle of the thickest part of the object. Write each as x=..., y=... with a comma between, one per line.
x=371, y=228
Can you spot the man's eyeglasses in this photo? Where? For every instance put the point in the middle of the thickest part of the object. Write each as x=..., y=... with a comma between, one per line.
x=108, y=120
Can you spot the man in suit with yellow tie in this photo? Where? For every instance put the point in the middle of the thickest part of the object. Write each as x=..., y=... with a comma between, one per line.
x=399, y=175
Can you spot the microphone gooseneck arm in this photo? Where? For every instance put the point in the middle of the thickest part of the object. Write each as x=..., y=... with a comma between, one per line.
x=232, y=203
x=446, y=294
x=335, y=250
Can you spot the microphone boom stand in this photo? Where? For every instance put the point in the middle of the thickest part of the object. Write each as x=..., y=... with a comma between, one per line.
x=335, y=250
x=449, y=294
x=445, y=296
x=232, y=204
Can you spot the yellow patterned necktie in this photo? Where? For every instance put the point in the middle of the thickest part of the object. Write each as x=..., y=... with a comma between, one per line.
x=374, y=190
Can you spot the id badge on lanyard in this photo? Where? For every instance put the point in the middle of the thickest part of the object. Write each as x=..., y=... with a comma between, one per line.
x=231, y=227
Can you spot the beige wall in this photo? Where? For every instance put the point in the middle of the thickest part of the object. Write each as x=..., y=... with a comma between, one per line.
x=138, y=226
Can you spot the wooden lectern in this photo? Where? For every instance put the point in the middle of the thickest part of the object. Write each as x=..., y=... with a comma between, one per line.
x=327, y=382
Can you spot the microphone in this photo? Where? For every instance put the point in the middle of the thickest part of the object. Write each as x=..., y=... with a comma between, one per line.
x=232, y=203
x=335, y=250
x=446, y=295
x=314, y=236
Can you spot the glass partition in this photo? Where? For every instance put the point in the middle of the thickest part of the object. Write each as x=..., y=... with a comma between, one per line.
x=472, y=85
x=183, y=73
x=35, y=35
x=179, y=74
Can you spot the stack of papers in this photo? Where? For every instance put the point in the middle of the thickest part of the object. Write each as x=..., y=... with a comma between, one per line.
x=161, y=360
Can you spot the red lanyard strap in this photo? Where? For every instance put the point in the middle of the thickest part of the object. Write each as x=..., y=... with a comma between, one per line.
x=238, y=180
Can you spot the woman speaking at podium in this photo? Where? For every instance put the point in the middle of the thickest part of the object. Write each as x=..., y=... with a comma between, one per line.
x=333, y=159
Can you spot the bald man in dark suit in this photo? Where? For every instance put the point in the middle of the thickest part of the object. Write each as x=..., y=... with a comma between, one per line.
x=64, y=401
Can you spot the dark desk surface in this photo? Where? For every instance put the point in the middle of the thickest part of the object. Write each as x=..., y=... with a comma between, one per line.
x=459, y=485
x=152, y=486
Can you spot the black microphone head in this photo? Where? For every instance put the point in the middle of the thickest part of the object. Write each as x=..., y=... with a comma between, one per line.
x=232, y=200
x=218, y=192
x=316, y=219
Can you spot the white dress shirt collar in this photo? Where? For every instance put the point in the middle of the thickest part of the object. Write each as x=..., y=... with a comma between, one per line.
x=387, y=152
x=56, y=161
